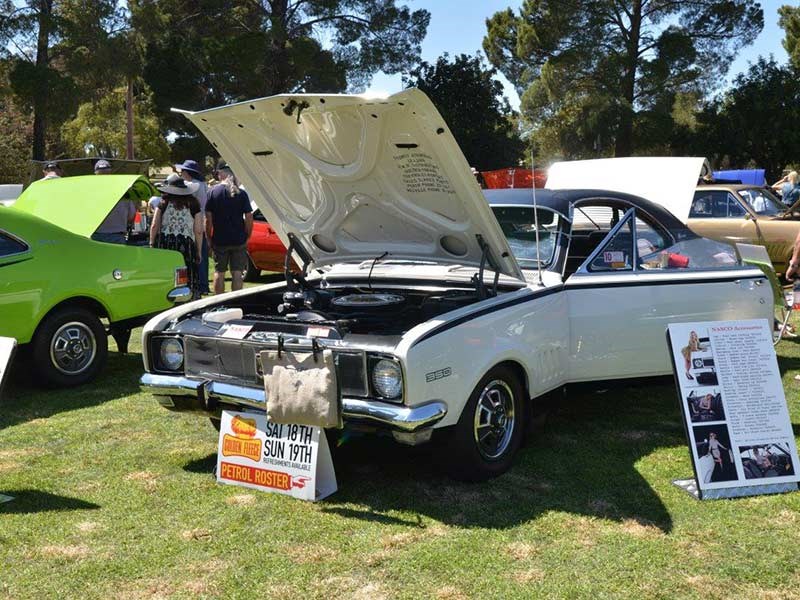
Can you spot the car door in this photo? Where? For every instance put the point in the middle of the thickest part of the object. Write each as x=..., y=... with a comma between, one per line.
x=719, y=215
x=635, y=283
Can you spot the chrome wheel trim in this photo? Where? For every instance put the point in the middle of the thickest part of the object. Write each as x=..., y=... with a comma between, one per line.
x=73, y=348
x=493, y=425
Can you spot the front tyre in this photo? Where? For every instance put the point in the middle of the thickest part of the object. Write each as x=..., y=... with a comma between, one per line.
x=70, y=347
x=489, y=431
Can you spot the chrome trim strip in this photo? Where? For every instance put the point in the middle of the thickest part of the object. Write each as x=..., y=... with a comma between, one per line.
x=402, y=418
x=169, y=385
x=236, y=394
x=405, y=418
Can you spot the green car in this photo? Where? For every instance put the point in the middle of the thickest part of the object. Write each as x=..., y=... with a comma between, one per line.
x=61, y=293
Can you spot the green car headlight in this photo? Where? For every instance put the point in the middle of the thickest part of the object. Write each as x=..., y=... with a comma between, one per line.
x=171, y=354
x=387, y=378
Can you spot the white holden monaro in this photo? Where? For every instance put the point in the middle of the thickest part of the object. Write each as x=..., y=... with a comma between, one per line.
x=440, y=309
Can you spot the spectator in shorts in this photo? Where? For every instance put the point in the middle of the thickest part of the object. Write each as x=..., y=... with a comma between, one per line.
x=190, y=171
x=229, y=221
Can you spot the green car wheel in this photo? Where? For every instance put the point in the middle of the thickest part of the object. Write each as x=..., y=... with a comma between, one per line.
x=70, y=347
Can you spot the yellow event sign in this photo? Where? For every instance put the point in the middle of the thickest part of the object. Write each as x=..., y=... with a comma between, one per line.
x=286, y=459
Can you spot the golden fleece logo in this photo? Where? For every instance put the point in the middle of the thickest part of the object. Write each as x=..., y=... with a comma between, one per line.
x=242, y=442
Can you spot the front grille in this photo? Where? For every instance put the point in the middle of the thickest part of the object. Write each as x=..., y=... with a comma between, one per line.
x=217, y=358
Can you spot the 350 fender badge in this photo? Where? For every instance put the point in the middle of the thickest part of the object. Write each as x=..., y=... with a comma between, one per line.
x=440, y=374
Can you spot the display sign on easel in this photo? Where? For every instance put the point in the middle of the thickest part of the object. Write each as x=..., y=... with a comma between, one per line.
x=734, y=409
x=286, y=459
x=7, y=346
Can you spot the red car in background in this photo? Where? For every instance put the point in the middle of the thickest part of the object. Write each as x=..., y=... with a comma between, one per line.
x=265, y=250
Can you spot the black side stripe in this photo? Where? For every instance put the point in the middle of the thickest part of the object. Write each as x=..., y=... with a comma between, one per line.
x=535, y=295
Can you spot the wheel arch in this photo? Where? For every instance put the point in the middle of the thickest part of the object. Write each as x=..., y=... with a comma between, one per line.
x=91, y=304
x=521, y=374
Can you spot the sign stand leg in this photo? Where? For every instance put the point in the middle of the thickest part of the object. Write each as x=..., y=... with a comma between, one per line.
x=326, y=476
x=689, y=486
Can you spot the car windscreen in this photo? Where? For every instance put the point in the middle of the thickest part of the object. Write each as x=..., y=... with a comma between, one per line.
x=519, y=226
x=761, y=201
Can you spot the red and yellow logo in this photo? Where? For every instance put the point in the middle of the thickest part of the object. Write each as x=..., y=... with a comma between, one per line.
x=243, y=442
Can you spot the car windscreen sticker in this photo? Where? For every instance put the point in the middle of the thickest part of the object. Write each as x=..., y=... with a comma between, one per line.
x=615, y=256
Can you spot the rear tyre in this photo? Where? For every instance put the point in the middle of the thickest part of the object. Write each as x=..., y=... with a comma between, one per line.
x=489, y=432
x=70, y=347
x=252, y=273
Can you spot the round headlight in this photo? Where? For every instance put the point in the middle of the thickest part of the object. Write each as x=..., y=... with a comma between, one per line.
x=171, y=354
x=387, y=378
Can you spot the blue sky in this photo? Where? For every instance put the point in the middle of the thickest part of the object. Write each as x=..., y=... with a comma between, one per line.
x=458, y=26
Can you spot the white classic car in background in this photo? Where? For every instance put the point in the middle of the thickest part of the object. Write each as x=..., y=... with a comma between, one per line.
x=440, y=309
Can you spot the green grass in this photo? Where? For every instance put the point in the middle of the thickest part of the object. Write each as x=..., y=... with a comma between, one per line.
x=115, y=497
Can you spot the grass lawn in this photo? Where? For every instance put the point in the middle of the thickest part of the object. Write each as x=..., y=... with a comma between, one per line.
x=115, y=497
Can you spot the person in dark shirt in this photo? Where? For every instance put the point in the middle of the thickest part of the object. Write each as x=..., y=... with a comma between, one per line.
x=229, y=221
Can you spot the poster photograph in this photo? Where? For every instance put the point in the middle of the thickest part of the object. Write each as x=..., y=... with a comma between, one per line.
x=735, y=414
x=705, y=404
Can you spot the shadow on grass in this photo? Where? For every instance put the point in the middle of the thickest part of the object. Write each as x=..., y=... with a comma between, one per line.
x=202, y=465
x=24, y=398
x=584, y=462
x=35, y=501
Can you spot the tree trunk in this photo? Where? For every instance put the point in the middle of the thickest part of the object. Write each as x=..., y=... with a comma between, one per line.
x=624, y=143
x=129, y=119
x=277, y=60
x=42, y=63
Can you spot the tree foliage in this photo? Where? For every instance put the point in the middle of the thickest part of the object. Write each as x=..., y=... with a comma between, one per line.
x=597, y=77
x=206, y=53
x=472, y=103
x=67, y=59
x=755, y=121
x=99, y=128
x=790, y=21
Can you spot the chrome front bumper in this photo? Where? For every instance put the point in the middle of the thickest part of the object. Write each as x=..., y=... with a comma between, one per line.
x=203, y=395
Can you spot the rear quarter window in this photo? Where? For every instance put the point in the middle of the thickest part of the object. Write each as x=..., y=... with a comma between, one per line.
x=10, y=245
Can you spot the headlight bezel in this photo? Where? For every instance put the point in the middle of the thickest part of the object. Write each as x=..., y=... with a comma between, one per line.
x=380, y=391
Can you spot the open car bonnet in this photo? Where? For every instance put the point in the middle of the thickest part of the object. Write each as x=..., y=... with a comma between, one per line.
x=668, y=181
x=352, y=178
x=80, y=204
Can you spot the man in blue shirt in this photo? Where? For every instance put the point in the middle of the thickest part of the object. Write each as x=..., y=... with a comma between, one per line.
x=229, y=222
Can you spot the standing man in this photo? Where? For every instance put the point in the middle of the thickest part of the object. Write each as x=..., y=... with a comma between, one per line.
x=190, y=171
x=229, y=221
x=115, y=226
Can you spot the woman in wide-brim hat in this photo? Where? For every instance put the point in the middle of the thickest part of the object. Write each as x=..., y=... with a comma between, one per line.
x=178, y=225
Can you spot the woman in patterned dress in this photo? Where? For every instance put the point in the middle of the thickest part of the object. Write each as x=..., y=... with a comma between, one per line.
x=178, y=225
